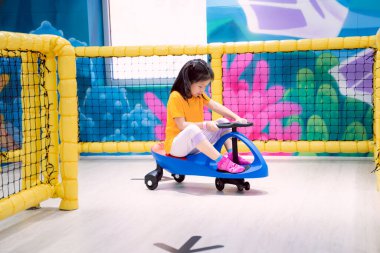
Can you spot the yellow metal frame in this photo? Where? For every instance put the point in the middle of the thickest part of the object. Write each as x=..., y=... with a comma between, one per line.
x=62, y=158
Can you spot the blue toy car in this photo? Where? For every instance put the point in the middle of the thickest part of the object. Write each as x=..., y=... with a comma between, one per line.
x=200, y=165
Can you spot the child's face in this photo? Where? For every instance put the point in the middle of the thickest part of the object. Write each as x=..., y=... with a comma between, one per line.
x=198, y=88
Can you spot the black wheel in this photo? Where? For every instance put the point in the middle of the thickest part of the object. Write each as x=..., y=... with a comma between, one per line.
x=159, y=176
x=160, y=172
x=219, y=184
x=247, y=186
x=240, y=187
x=151, y=182
x=178, y=178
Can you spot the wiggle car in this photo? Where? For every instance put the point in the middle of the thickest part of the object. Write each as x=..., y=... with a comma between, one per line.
x=201, y=165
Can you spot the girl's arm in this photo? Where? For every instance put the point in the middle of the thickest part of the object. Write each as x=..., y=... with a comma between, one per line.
x=224, y=111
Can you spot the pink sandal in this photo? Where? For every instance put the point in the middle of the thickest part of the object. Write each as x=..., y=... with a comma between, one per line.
x=227, y=165
x=241, y=160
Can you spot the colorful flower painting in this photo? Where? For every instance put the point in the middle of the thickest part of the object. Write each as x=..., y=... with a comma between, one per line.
x=257, y=102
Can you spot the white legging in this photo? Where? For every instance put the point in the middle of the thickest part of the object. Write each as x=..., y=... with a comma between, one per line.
x=186, y=141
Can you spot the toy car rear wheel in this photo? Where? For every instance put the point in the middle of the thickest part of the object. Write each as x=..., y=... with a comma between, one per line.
x=160, y=172
x=247, y=186
x=219, y=184
x=159, y=176
x=178, y=178
x=151, y=182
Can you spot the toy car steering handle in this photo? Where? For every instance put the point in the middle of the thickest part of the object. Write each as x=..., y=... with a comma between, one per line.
x=234, y=124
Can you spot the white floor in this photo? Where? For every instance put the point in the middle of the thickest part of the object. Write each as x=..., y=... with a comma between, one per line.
x=305, y=205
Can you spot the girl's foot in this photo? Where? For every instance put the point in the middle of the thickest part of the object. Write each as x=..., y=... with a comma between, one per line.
x=241, y=160
x=225, y=164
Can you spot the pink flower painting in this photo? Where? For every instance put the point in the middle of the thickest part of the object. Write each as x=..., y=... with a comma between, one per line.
x=159, y=110
x=258, y=103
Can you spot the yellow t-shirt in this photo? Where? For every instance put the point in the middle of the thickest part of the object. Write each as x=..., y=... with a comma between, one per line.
x=191, y=110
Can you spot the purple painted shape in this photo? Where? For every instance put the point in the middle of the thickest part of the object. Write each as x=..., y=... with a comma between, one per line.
x=350, y=81
x=359, y=69
x=354, y=76
x=366, y=85
x=315, y=4
x=266, y=15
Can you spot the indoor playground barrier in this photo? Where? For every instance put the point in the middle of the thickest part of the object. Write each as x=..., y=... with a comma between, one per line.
x=42, y=116
x=365, y=57
x=135, y=107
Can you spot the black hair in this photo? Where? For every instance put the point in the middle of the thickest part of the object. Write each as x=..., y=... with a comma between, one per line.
x=193, y=71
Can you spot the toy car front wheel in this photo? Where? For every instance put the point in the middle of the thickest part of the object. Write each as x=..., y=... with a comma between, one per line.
x=151, y=182
x=219, y=184
x=247, y=186
x=178, y=178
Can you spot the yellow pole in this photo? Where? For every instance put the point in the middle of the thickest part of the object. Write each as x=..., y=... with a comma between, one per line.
x=217, y=84
x=68, y=125
x=376, y=109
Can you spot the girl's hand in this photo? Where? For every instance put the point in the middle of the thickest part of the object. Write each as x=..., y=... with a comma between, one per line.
x=241, y=120
x=212, y=126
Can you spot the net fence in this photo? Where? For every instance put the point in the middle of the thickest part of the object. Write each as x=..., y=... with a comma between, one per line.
x=124, y=99
x=321, y=95
x=310, y=95
x=24, y=129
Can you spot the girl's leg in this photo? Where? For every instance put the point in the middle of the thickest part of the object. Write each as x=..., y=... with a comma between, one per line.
x=192, y=138
x=223, y=163
x=228, y=143
x=208, y=149
x=214, y=136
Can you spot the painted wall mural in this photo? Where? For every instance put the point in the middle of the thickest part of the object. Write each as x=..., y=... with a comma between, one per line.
x=247, y=20
x=10, y=102
x=302, y=101
x=346, y=75
x=303, y=19
x=332, y=82
x=80, y=19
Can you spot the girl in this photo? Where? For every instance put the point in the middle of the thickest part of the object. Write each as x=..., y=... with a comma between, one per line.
x=186, y=131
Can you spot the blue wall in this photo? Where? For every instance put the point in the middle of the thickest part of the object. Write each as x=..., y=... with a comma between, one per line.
x=79, y=19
